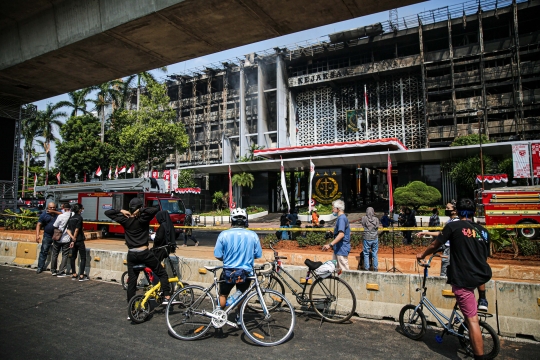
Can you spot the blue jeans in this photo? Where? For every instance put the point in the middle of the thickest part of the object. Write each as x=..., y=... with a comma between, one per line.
x=45, y=246
x=372, y=245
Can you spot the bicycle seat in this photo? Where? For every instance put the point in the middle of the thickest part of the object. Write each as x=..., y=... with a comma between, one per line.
x=212, y=268
x=139, y=267
x=312, y=265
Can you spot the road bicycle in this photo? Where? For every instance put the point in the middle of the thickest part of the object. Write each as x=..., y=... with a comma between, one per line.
x=330, y=297
x=267, y=327
x=141, y=306
x=413, y=322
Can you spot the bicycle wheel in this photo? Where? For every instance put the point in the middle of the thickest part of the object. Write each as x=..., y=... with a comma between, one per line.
x=272, y=330
x=412, y=322
x=141, y=281
x=137, y=312
x=187, y=321
x=333, y=299
x=492, y=344
x=271, y=283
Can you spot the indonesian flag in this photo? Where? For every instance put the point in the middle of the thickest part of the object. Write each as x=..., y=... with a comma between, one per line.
x=231, y=204
x=110, y=173
x=122, y=169
x=284, y=186
x=311, y=174
x=35, y=183
x=98, y=171
x=58, y=177
x=84, y=176
x=116, y=172
x=389, y=180
x=131, y=169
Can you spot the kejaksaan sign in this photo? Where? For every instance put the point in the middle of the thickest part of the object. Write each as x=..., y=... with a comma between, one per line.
x=320, y=77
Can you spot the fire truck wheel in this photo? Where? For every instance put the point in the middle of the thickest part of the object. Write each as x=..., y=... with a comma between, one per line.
x=529, y=233
x=104, y=231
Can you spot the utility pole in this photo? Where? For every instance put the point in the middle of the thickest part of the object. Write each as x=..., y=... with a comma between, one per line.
x=480, y=115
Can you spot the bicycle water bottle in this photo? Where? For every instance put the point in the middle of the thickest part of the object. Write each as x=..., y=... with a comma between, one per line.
x=231, y=299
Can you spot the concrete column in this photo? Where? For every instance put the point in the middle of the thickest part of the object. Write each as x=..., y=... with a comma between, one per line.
x=262, y=109
x=244, y=144
x=282, y=91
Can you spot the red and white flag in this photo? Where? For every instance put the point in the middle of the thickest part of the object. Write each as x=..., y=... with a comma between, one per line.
x=116, y=172
x=58, y=177
x=389, y=180
x=131, y=169
x=535, y=154
x=35, y=183
x=311, y=174
x=284, y=186
x=122, y=169
x=231, y=204
x=520, y=156
x=110, y=173
x=85, y=177
x=98, y=171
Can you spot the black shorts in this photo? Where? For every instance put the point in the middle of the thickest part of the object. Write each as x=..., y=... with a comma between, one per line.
x=225, y=288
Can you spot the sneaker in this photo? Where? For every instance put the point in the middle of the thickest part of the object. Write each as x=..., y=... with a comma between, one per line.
x=53, y=273
x=197, y=243
x=62, y=274
x=184, y=245
x=39, y=271
x=84, y=278
x=165, y=301
x=73, y=276
x=482, y=305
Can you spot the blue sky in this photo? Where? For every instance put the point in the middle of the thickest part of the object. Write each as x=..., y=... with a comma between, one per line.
x=319, y=33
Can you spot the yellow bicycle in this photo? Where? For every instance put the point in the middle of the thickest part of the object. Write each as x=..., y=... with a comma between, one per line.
x=141, y=306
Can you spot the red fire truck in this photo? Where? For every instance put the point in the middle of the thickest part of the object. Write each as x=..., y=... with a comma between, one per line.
x=510, y=206
x=100, y=196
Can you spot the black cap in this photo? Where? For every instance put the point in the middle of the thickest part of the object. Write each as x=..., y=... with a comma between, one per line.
x=135, y=203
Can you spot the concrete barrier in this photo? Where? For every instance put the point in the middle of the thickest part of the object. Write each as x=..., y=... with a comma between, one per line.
x=8, y=251
x=27, y=254
x=105, y=265
x=519, y=310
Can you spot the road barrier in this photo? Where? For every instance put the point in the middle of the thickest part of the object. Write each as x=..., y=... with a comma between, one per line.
x=8, y=251
x=27, y=254
x=518, y=308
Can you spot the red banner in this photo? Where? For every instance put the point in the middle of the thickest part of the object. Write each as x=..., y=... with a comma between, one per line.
x=520, y=155
x=166, y=175
x=535, y=153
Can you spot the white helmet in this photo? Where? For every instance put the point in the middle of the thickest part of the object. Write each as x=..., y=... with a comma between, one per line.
x=238, y=216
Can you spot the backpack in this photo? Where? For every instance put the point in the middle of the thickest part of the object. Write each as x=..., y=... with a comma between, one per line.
x=234, y=276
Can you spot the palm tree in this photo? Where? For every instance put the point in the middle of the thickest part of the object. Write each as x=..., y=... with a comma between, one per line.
x=243, y=180
x=48, y=119
x=142, y=78
x=107, y=93
x=77, y=101
x=29, y=131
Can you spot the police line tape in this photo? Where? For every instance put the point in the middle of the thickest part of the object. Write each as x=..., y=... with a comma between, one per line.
x=360, y=229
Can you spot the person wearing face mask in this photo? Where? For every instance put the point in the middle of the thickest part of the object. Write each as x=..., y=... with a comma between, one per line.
x=342, y=236
x=370, y=223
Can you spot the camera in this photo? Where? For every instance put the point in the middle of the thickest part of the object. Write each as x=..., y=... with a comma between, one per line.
x=329, y=235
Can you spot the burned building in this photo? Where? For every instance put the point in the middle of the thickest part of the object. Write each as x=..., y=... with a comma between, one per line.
x=422, y=80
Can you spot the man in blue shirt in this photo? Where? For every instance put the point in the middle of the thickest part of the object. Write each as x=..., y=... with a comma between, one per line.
x=342, y=236
x=46, y=221
x=238, y=248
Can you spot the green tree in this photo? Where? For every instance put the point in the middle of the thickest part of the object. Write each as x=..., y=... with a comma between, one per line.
x=416, y=194
x=471, y=139
x=153, y=133
x=243, y=180
x=251, y=154
x=108, y=93
x=142, y=78
x=77, y=101
x=185, y=179
x=48, y=120
x=81, y=150
x=29, y=132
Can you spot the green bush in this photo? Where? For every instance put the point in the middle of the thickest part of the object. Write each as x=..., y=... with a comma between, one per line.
x=26, y=220
x=312, y=238
x=527, y=247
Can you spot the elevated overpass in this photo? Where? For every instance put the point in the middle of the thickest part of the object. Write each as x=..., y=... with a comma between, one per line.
x=50, y=47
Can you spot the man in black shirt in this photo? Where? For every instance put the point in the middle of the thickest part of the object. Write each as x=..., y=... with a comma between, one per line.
x=136, y=223
x=469, y=268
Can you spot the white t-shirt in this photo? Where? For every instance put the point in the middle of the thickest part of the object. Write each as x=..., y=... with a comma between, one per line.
x=60, y=223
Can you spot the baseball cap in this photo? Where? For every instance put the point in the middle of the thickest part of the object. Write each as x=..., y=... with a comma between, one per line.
x=135, y=203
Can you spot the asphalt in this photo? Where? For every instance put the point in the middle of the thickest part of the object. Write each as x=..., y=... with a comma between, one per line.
x=56, y=318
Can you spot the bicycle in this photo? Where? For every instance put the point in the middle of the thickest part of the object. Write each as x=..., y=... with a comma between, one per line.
x=413, y=322
x=267, y=327
x=140, y=307
x=331, y=297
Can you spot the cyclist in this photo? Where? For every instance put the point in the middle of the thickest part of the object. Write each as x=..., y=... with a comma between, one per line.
x=469, y=267
x=238, y=248
x=136, y=226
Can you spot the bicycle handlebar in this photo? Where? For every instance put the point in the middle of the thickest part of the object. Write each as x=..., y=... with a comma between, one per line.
x=436, y=254
x=261, y=268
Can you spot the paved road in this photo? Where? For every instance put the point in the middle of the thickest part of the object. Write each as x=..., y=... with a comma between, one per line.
x=56, y=318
